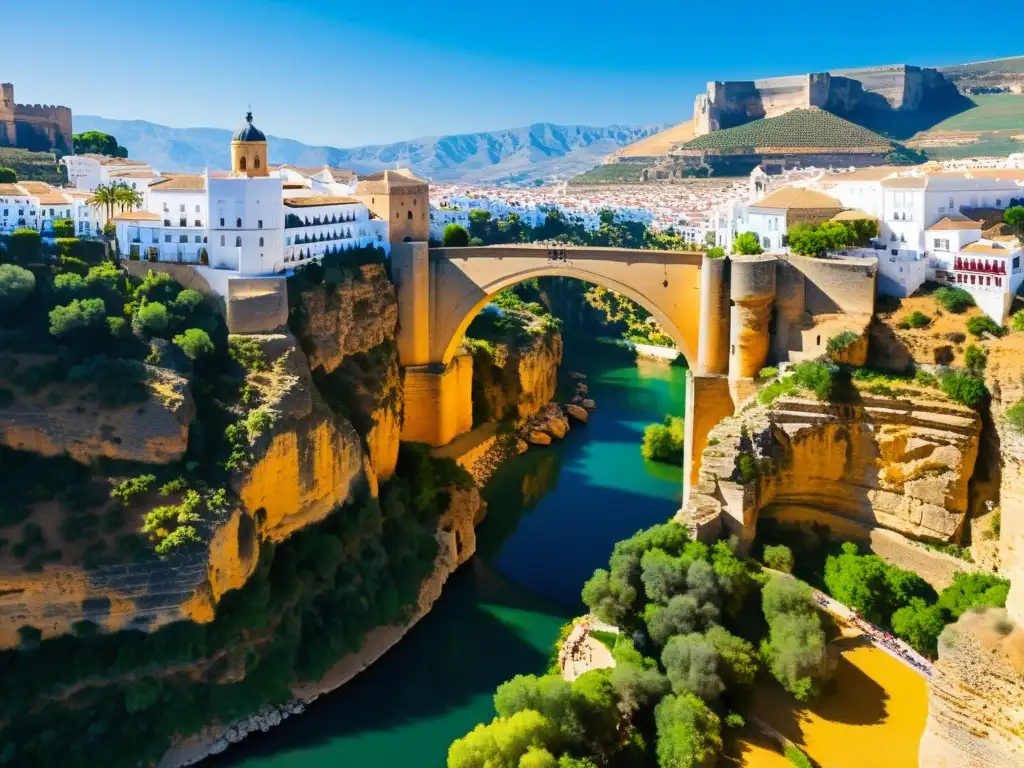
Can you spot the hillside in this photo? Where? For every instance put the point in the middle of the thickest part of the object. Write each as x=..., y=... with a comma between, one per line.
x=519, y=155
x=993, y=125
x=797, y=129
x=994, y=75
x=31, y=166
x=660, y=143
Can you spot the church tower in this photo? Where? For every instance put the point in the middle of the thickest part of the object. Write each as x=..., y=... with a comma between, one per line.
x=249, y=150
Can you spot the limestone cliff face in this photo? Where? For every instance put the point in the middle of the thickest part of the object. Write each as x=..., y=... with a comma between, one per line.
x=899, y=463
x=347, y=332
x=354, y=316
x=66, y=418
x=976, y=697
x=524, y=377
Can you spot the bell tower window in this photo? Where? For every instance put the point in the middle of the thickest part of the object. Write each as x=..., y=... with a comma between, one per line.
x=241, y=162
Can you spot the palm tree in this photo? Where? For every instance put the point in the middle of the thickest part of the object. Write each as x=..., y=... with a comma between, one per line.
x=127, y=197
x=104, y=197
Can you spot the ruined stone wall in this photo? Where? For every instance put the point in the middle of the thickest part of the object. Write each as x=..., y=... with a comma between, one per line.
x=34, y=127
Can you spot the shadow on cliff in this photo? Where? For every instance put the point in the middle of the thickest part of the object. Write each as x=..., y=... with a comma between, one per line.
x=438, y=680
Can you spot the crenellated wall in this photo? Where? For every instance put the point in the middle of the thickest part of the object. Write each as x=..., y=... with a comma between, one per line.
x=36, y=127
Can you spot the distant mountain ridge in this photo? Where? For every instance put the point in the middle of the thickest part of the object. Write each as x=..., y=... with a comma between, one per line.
x=522, y=154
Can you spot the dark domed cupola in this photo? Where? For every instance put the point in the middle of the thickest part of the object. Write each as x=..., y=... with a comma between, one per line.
x=249, y=132
x=249, y=150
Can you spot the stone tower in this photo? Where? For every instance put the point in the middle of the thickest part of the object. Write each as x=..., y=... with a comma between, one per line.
x=249, y=150
x=402, y=200
x=8, y=133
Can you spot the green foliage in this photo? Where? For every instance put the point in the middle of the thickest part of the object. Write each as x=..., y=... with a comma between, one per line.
x=815, y=375
x=7, y=175
x=920, y=624
x=194, y=343
x=502, y=743
x=455, y=236
x=248, y=353
x=688, y=733
x=98, y=143
x=24, y=246
x=259, y=421
x=795, y=648
x=952, y=299
x=872, y=586
x=63, y=228
x=715, y=253
x=737, y=659
x=793, y=753
x=925, y=379
x=79, y=314
x=128, y=489
x=840, y=341
x=779, y=557
x=151, y=317
x=1017, y=320
x=975, y=358
x=1014, y=416
x=796, y=128
x=916, y=319
x=747, y=244
x=1014, y=218
x=970, y=590
x=664, y=442
x=963, y=387
x=768, y=372
x=691, y=665
x=16, y=285
x=818, y=239
x=979, y=325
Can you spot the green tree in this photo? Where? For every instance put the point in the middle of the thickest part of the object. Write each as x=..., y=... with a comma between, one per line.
x=688, y=733
x=97, y=143
x=920, y=624
x=663, y=575
x=502, y=742
x=25, y=246
x=779, y=557
x=79, y=314
x=7, y=175
x=479, y=223
x=636, y=687
x=973, y=589
x=737, y=659
x=194, y=342
x=1014, y=218
x=151, y=317
x=664, y=442
x=104, y=197
x=609, y=597
x=975, y=358
x=964, y=387
x=680, y=616
x=691, y=664
x=127, y=197
x=783, y=595
x=63, y=228
x=16, y=285
x=747, y=244
x=455, y=236
x=796, y=654
x=979, y=325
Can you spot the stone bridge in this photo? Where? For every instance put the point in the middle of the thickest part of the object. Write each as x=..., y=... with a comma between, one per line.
x=717, y=311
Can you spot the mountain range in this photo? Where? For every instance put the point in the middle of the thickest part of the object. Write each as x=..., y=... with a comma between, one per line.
x=515, y=155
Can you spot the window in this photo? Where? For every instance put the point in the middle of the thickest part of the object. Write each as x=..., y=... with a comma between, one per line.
x=410, y=215
x=197, y=209
x=238, y=242
x=199, y=239
x=767, y=243
x=259, y=224
x=256, y=162
x=941, y=245
x=238, y=223
x=199, y=223
x=222, y=221
x=183, y=239
x=222, y=239
x=241, y=163
x=181, y=208
x=818, y=342
x=999, y=202
x=167, y=238
x=261, y=242
x=951, y=205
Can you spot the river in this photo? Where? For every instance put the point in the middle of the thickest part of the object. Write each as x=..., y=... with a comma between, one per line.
x=553, y=515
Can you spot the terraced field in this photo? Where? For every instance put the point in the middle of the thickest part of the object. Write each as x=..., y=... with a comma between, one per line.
x=799, y=128
x=31, y=166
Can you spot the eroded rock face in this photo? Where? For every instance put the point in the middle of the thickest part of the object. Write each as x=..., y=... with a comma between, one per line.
x=903, y=464
x=976, y=697
x=521, y=377
x=65, y=418
x=352, y=317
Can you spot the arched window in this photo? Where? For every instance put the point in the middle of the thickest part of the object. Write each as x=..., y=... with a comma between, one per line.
x=241, y=163
x=222, y=240
x=222, y=221
x=238, y=242
x=767, y=243
x=410, y=215
x=261, y=242
x=197, y=209
x=256, y=162
x=238, y=223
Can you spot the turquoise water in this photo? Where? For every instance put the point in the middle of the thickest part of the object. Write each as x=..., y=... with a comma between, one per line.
x=553, y=515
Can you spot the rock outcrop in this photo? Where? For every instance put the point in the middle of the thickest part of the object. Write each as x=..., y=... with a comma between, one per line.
x=515, y=378
x=69, y=417
x=343, y=319
x=976, y=697
x=902, y=463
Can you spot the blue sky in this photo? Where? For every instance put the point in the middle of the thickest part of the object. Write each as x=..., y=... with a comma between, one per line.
x=348, y=72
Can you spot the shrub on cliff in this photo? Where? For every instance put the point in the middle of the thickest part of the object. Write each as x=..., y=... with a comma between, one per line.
x=80, y=314
x=840, y=341
x=954, y=299
x=664, y=442
x=1014, y=416
x=194, y=343
x=915, y=319
x=747, y=244
x=982, y=324
x=963, y=387
x=973, y=589
x=920, y=624
x=872, y=586
x=7, y=175
x=16, y=285
x=778, y=557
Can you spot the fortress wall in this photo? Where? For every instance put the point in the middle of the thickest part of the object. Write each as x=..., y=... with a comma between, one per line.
x=782, y=94
x=836, y=285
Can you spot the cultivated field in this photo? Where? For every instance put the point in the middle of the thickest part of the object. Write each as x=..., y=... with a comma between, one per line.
x=993, y=126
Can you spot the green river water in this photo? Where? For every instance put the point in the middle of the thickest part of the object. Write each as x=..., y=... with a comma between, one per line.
x=553, y=515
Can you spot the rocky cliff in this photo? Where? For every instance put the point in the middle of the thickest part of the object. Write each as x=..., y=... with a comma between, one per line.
x=519, y=378
x=900, y=463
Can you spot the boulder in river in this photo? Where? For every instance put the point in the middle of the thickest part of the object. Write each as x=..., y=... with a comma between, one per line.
x=578, y=412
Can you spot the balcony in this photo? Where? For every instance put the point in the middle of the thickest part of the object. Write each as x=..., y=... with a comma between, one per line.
x=978, y=266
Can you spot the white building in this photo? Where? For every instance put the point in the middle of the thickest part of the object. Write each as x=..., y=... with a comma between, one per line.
x=87, y=172
x=990, y=270
x=253, y=220
x=443, y=215
x=37, y=205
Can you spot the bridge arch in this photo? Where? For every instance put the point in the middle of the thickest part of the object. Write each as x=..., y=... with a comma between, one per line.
x=449, y=325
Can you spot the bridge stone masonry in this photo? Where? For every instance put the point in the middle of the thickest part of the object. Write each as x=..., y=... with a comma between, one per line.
x=719, y=312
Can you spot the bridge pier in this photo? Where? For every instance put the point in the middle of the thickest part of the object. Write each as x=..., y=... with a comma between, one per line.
x=438, y=401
